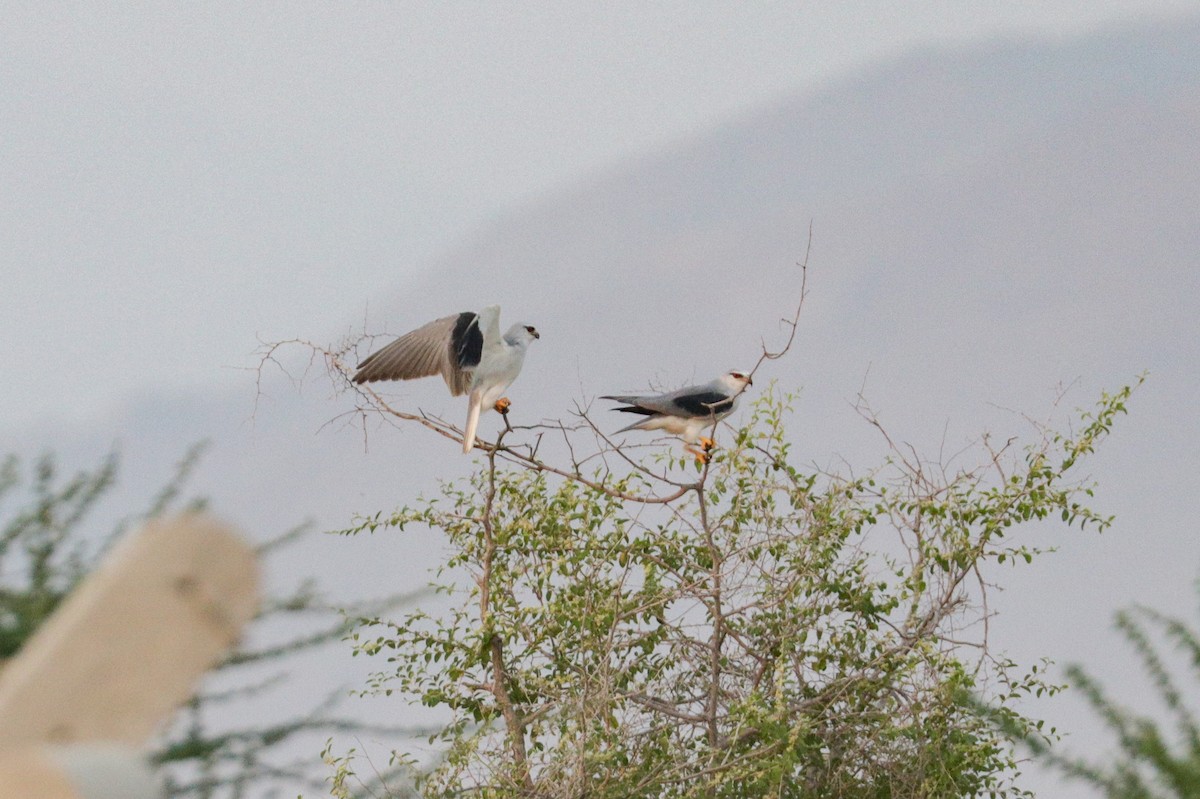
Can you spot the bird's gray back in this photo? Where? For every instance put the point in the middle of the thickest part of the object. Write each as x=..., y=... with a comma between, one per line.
x=703, y=402
x=690, y=401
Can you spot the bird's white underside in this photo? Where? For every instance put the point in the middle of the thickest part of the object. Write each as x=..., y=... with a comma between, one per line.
x=687, y=429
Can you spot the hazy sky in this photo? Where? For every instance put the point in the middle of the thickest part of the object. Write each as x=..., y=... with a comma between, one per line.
x=180, y=179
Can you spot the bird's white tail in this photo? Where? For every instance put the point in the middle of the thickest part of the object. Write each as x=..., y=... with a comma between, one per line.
x=473, y=406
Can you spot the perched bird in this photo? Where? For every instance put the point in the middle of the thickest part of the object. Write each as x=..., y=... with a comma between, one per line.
x=687, y=411
x=469, y=353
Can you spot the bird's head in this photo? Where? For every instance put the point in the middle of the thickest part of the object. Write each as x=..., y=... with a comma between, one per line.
x=521, y=334
x=737, y=380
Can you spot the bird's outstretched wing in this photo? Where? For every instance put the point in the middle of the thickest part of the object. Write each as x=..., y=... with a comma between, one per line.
x=450, y=346
x=489, y=326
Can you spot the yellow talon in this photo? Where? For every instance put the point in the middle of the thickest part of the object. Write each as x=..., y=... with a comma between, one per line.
x=701, y=457
x=502, y=405
x=706, y=443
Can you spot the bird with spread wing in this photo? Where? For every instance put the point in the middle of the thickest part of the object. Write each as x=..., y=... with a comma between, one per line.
x=469, y=353
x=686, y=412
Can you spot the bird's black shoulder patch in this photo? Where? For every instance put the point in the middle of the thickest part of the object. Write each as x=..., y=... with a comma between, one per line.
x=466, y=342
x=704, y=403
x=637, y=409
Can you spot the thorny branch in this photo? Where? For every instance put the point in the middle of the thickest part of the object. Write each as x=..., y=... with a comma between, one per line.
x=495, y=643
